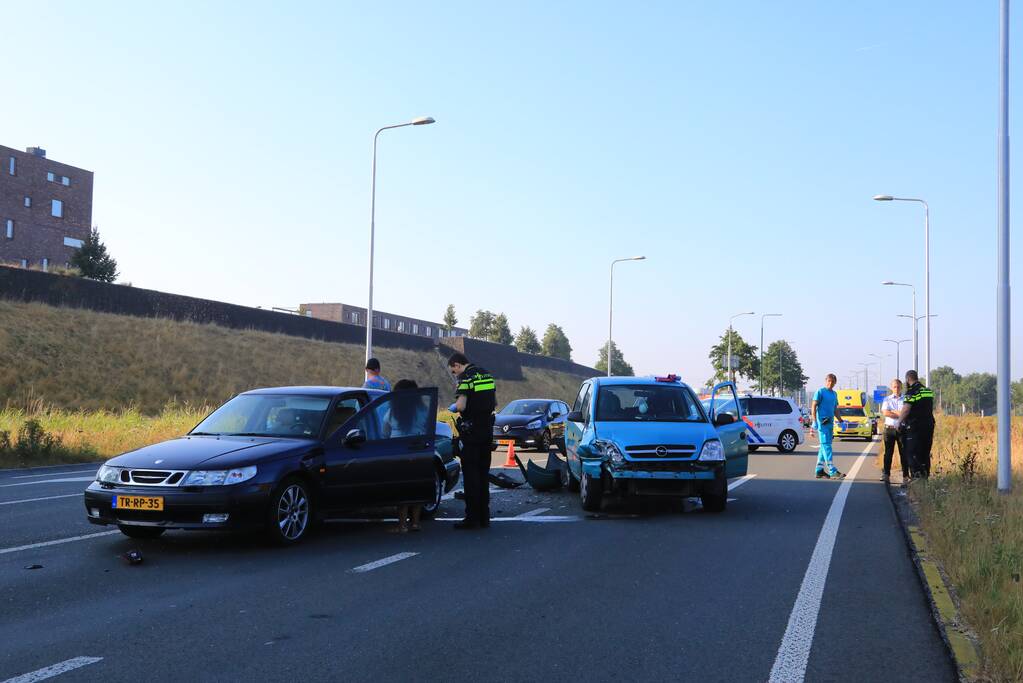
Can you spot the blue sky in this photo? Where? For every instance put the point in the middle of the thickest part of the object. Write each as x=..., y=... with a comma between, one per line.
x=736, y=145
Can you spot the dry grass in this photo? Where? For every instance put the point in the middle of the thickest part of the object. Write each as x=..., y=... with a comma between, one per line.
x=977, y=535
x=108, y=383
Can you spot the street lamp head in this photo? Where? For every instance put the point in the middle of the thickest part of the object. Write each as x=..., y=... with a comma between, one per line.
x=638, y=258
x=888, y=282
x=423, y=121
x=883, y=198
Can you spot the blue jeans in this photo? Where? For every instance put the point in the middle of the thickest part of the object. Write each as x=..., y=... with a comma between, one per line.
x=824, y=453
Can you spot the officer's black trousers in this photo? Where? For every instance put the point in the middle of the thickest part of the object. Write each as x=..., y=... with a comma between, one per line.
x=892, y=438
x=917, y=442
x=475, y=457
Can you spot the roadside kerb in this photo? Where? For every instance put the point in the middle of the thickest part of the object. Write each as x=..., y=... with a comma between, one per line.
x=953, y=629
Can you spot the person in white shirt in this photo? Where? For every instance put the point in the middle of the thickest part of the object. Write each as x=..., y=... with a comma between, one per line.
x=891, y=409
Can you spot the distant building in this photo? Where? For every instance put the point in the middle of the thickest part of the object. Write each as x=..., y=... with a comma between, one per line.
x=45, y=208
x=356, y=315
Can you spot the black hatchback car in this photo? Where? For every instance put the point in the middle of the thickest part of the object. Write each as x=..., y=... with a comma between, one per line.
x=532, y=423
x=280, y=459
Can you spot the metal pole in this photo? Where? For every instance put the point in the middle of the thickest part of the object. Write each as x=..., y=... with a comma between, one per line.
x=372, y=239
x=761, y=355
x=610, y=313
x=730, y=375
x=916, y=346
x=1003, y=409
x=927, y=289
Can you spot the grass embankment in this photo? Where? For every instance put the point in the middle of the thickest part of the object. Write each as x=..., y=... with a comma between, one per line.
x=99, y=384
x=977, y=535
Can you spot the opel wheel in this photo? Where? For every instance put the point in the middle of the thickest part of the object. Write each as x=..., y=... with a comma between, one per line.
x=289, y=512
x=590, y=493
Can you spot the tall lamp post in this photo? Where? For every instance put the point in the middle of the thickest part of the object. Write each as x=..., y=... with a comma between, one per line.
x=421, y=121
x=731, y=371
x=866, y=377
x=916, y=323
x=927, y=271
x=916, y=346
x=898, y=354
x=1003, y=291
x=762, y=316
x=611, y=304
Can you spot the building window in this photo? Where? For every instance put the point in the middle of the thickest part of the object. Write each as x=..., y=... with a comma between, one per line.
x=46, y=264
x=28, y=202
x=57, y=209
x=415, y=328
x=49, y=176
x=65, y=181
x=72, y=242
x=24, y=263
x=9, y=231
x=387, y=323
x=401, y=325
x=353, y=317
x=429, y=331
x=11, y=167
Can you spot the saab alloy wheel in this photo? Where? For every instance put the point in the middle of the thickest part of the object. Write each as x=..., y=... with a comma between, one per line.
x=788, y=441
x=290, y=512
x=430, y=509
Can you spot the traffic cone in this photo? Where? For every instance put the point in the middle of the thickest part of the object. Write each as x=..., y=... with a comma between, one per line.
x=510, y=460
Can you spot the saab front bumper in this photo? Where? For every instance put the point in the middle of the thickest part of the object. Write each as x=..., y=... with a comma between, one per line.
x=244, y=505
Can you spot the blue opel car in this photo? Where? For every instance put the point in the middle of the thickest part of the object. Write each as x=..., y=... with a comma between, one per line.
x=651, y=436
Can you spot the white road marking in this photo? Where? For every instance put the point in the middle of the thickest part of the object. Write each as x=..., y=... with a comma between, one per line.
x=533, y=513
x=794, y=652
x=32, y=500
x=363, y=568
x=55, y=670
x=740, y=481
x=536, y=518
x=30, y=546
x=493, y=489
x=48, y=481
x=54, y=474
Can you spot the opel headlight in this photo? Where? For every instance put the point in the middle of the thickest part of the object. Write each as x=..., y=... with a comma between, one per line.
x=712, y=451
x=220, y=477
x=535, y=424
x=108, y=475
x=611, y=451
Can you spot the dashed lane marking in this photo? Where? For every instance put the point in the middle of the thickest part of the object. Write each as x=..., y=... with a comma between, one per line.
x=53, y=474
x=794, y=652
x=740, y=481
x=534, y=513
x=370, y=566
x=33, y=500
x=55, y=670
x=72, y=539
x=48, y=481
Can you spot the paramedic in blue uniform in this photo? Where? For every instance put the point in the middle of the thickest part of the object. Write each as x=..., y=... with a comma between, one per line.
x=475, y=401
x=824, y=412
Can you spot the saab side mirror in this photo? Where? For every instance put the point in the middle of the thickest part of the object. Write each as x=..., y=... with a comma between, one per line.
x=724, y=419
x=354, y=438
x=575, y=416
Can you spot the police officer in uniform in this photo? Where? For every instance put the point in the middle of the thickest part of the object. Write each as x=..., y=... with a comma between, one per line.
x=918, y=425
x=475, y=401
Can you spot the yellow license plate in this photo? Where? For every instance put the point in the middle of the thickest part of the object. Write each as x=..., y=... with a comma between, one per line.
x=138, y=502
x=506, y=442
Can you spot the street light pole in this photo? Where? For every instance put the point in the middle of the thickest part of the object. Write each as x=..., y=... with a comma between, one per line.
x=880, y=368
x=1003, y=295
x=731, y=371
x=916, y=346
x=421, y=121
x=611, y=305
x=764, y=315
x=898, y=355
x=927, y=271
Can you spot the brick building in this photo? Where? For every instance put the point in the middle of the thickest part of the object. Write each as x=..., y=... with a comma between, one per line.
x=356, y=315
x=45, y=208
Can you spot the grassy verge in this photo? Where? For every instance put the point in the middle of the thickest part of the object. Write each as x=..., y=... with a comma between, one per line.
x=977, y=535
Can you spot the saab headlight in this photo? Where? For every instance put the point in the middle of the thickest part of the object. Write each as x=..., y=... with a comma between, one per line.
x=220, y=477
x=108, y=475
x=712, y=451
x=535, y=424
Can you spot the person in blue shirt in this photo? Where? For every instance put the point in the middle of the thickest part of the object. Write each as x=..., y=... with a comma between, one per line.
x=824, y=412
x=374, y=380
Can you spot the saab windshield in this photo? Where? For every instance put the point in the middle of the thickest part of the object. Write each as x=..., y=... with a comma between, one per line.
x=266, y=415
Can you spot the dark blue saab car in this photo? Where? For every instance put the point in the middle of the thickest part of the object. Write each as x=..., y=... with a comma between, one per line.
x=279, y=460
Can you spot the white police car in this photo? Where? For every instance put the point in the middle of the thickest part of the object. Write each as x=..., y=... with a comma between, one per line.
x=771, y=421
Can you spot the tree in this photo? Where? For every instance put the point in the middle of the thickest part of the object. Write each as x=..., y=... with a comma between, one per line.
x=977, y=391
x=481, y=325
x=782, y=368
x=618, y=365
x=1017, y=397
x=526, y=341
x=93, y=261
x=555, y=343
x=943, y=379
x=500, y=333
x=450, y=319
x=745, y=354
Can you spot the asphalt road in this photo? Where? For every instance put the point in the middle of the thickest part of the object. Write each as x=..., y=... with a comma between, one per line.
x=798, y=579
